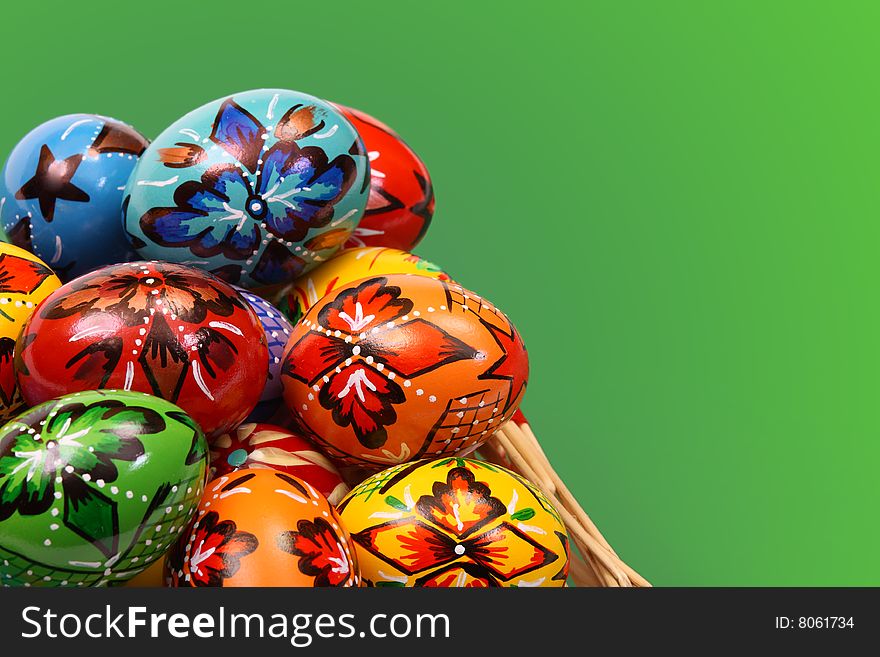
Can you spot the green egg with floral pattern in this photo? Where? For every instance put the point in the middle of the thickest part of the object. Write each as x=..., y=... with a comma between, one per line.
x=95, y=487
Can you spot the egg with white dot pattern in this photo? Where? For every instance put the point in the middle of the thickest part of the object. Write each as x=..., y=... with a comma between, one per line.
x=256, y=187
x=173, y=331
x=61, y=191
x=24, y=281
x=95, y=487
x=394, y=368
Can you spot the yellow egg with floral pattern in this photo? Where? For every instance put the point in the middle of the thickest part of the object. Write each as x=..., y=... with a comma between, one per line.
x=24, y=282
x=348, y=266
x=455, y=523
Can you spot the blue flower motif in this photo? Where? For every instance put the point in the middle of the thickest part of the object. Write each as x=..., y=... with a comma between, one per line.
x=277, y=193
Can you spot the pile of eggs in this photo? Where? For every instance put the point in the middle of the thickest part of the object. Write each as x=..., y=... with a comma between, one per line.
x=221, y=364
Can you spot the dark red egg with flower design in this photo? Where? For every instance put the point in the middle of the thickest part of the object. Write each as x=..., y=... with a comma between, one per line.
x=401, y=202
x=393, y=368
x=263, y=528
x=172, y=331
x=276, y=448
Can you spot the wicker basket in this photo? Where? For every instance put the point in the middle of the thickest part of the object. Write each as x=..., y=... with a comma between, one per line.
x=594, y=563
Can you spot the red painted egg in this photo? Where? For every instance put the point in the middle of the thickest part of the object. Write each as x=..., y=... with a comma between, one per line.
x=172, y=331
x=271, y=447
x=263, y=528
x=401, y=201
x=399, y=367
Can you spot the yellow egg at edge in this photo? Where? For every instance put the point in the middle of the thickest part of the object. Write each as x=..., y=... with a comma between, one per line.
x=455, y=522
x=24, y=286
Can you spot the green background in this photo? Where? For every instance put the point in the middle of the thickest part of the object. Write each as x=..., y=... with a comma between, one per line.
x=676, y=202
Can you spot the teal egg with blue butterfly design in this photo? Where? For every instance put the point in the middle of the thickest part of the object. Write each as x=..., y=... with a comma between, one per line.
x=257, y=187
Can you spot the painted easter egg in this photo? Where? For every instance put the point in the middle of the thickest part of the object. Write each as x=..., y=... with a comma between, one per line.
x=276, y=448
x=24, y=281
x=400, y=367
x=348, y=266
x=61, y=191
x=401, y=201
x=263, y=528
x=455, y=523
x=257, y=187
x=176, y=332
x=95, y=486
x=277, y=329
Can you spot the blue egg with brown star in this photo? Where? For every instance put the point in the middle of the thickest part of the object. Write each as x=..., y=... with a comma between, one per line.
x=257, y=187
x=61, y=192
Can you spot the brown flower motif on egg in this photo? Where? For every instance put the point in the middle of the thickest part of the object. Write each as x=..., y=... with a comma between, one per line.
x=142, y=291
x=168, y=330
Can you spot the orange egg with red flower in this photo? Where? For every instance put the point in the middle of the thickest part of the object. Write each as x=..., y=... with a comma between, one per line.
x=263, y=528
x=399, y=367
x=168, y=330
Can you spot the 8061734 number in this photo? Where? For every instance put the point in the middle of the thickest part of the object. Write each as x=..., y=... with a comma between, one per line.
x=815, y=622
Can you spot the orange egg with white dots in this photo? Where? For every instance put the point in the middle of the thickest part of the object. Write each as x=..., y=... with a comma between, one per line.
x=393, y=368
